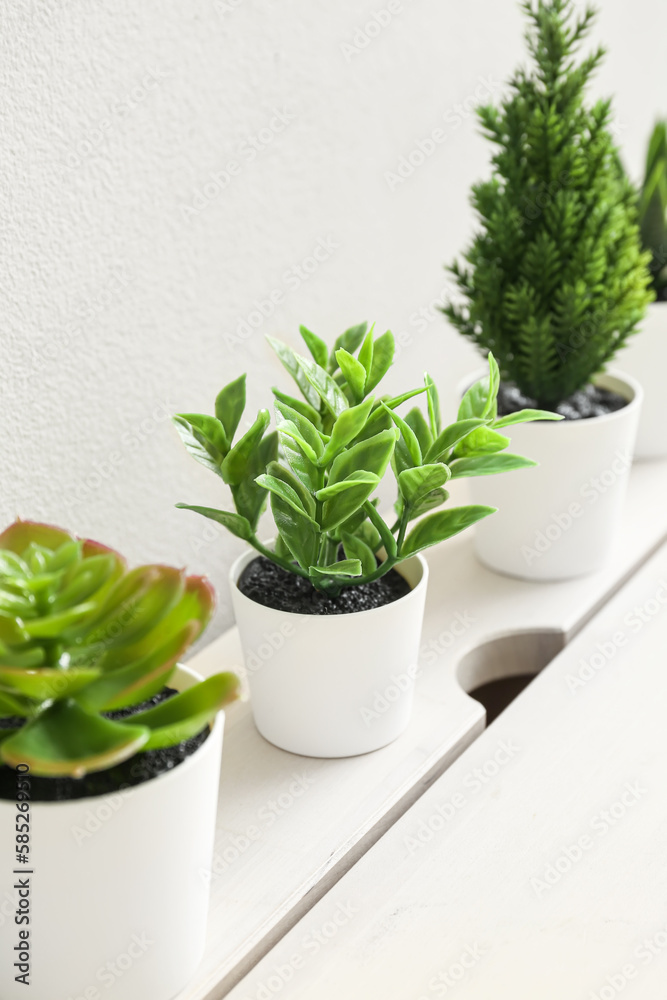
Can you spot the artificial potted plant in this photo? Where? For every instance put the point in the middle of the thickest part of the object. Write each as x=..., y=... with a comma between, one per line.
x=644, y=355
x=341, y=587
x=554, y=283
x=109, y=761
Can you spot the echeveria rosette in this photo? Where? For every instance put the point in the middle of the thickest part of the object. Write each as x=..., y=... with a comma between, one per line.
x=80, y=636
x=332, y=448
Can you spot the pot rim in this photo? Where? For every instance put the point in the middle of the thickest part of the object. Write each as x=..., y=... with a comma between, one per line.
x=632, y=384
x=238, y=564
x=134, y=790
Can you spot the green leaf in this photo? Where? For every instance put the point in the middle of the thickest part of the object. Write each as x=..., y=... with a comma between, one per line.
x=249, y=498
x=238, y=525
x=371, y=455
x=229, y=407
x=438, y=527
x=356, y=548
x=382, y=360
x=288, y=432
x=210, y=432
x=18, y=536
x=316, y=346
x=383, y=529
x=45, y=682
x=354, y=372
x=305, y=427
x=346, y=428
x=483, y=441
x=488, y=465
x=450, y=436
x=365, y=355
x=136, y=604
x=291, y=364
x=434, y=499
x=433, y=405
x=299, y=531
x=53, y=626
x=236, y=465
x=524, y=416
x=286, y=492
x=416, y=483
x=307, y=411
x=66, y=740
x=416, y=420
x=354, y=479
x=409, y=437
x=140, y=680
x=345, y=567
x=330, y=394
x=199, y=445
x=186, y=714
x=349, y=341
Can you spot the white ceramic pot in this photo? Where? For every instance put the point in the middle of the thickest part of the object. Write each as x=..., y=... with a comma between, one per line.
x=560, y=520
x=332, y=685
x=118, y=900
x=645, y=358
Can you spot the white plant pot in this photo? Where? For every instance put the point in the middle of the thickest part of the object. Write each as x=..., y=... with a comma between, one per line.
x=332, y=685
x=118, y=899
x=560, y=520
x=645, y=358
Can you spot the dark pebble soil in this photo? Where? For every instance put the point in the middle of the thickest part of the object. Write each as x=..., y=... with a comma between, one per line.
x=133, y=771
x=266, y=583
x=588, y=402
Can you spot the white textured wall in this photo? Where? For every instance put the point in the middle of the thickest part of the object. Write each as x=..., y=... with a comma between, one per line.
x=121, y=304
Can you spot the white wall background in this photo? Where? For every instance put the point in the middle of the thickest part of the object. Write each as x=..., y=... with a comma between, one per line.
x=120, y=304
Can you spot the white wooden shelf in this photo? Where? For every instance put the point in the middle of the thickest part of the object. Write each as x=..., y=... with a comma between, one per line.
x=537, y=865
x=290, y=827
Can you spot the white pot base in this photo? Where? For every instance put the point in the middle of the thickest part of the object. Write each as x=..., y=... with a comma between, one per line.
x=332, y=685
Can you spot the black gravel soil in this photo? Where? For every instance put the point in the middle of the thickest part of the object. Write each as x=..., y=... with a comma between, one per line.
x=264, y=582
x=133, y=771
x=588, y=402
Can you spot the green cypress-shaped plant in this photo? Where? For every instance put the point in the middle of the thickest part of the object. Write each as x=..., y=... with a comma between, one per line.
x=653, y=208
x=555, y=279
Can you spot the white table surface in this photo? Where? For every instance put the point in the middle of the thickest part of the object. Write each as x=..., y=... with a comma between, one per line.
x=290, y=827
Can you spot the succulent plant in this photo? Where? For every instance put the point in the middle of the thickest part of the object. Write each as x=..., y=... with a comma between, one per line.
x=555, y=280
x=332, y=449
x=80, y=636
x=653, y=208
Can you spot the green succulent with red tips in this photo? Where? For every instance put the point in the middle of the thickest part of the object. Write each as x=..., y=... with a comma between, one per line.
x=81, y=636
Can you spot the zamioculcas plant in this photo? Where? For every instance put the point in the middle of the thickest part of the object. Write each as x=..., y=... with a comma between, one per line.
x=653, y=208
x=555, y=280
x=81, y=636
x=332, y=448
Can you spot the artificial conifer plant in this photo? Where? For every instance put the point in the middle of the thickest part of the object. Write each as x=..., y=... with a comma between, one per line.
x=555, y=280
x=653, y=209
